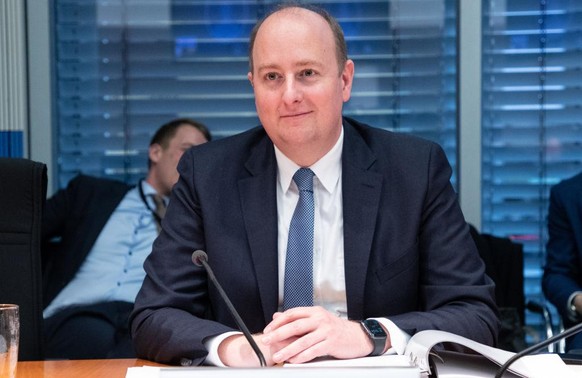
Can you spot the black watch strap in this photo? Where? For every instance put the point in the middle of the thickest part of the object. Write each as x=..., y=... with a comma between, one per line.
x=377, y=335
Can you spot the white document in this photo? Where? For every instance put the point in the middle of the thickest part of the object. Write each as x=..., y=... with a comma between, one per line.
x=143, y=372
x=273, y=372
x=389, y=360
x=449, y=364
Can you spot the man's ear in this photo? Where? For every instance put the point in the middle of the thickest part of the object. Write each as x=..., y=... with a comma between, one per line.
x=155, y=152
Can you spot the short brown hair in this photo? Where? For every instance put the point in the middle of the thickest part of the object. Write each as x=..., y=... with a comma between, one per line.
x=167, y=131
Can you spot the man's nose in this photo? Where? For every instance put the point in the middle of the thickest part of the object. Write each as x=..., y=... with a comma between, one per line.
x=292, y=91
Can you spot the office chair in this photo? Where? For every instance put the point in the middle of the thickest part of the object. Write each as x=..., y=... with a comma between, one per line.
x=23, y=186
x=544, y=311
x=504, y=264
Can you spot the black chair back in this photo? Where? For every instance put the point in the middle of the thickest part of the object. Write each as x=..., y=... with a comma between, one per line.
x=23, y=186
x=504, y=264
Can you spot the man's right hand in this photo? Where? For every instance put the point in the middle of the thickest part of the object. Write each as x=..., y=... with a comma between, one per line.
x=235, y=351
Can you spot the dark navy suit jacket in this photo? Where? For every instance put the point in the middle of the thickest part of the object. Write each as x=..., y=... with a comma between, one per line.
x=75, y=217
x=563, y=269
x=408, y=252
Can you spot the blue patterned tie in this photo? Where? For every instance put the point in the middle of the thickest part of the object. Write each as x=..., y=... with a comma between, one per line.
x=298, y=286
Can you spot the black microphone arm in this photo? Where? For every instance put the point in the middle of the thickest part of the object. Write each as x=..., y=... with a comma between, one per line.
x=200, y=258
x=534, y=348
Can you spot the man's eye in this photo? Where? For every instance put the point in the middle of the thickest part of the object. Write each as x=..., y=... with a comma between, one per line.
x=271, y=76
x=308, y=73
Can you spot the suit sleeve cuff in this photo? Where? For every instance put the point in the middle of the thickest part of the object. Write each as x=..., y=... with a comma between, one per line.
x=211, y=346
x=398, y=338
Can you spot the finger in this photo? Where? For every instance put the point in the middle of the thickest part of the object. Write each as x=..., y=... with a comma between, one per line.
x=282, y=318
x=273, y=324
x=301, y=350
x=295, y=329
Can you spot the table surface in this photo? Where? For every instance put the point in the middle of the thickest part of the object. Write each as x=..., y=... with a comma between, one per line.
x=114, y=368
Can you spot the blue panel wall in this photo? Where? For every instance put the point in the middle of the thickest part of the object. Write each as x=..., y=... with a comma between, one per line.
x=11, y=144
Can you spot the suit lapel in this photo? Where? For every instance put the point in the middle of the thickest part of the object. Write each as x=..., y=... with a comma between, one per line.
x=259, y=206
x=361, y=196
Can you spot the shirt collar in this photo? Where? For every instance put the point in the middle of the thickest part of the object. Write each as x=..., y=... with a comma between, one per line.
x=149, y=190
x=327, y=169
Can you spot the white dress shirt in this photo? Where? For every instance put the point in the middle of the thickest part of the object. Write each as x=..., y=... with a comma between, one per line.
x=329, y=286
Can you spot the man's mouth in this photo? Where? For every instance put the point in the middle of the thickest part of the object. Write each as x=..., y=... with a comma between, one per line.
x=294, y=115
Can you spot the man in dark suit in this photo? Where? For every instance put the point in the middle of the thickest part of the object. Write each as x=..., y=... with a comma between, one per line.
x=104, y=230
x=388, y=244
x=562, y=279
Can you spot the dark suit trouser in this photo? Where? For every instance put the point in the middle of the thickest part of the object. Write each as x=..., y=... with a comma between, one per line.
x=88, y=332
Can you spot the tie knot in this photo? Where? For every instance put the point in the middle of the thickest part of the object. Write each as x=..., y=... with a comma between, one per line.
x=304, y=179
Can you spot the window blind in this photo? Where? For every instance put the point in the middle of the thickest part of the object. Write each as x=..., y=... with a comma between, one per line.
x=532, y=118
x=13, y=105
x=124, y=67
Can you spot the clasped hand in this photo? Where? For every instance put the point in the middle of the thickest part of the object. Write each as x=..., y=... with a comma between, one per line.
x=299, y=335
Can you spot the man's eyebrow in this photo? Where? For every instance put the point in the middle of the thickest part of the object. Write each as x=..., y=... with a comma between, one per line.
x=300, y=64
x=267, y=67
x=305, y=63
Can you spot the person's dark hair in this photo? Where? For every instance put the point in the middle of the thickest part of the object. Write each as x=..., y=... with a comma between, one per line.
x=167, y=131
x=341, y=50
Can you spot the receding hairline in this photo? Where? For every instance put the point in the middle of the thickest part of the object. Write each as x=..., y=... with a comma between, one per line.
x=297, y=8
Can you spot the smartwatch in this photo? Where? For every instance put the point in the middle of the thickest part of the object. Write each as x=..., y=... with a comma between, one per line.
x=377, y=335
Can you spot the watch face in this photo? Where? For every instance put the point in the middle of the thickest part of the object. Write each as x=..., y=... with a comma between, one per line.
x=375, y=328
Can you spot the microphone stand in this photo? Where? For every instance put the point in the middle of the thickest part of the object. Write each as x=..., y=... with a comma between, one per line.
x=536, y=347
x=234, y=313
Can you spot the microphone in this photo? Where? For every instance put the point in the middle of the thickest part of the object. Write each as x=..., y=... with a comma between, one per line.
x=534, y=348
x=200, y=258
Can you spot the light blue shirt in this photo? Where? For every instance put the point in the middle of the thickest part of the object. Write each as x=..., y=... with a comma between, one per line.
x=113, y=269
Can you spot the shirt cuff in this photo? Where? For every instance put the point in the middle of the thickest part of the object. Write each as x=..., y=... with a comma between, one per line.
x=211, y=346
x=398, y=338
x=573, y=315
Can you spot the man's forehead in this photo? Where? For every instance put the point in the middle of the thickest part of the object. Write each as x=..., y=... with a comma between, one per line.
x=291, y=15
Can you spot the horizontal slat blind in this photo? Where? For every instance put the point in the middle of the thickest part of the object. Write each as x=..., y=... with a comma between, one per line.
x=124, y=67
x=13, y=104
x=532, y=118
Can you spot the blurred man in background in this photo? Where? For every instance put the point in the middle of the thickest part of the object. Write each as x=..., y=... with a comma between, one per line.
x=105, y=230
